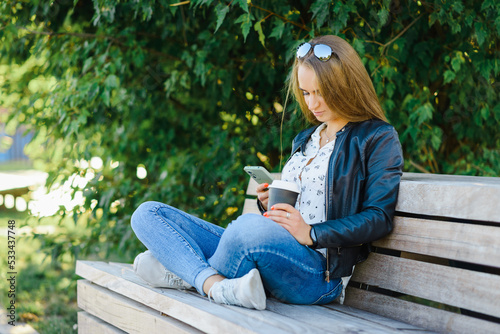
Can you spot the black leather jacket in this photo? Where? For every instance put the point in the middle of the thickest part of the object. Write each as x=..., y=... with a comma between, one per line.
x=363, y=182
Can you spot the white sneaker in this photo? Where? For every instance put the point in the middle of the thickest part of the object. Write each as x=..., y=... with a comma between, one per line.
x=247, y=291
x=147, y=267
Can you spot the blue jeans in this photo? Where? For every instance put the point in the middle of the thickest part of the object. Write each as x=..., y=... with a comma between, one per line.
x=195, y=249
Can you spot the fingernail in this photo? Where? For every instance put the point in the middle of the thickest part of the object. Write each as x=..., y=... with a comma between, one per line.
x=266, y=185
x=272, y=208
x=265, y=214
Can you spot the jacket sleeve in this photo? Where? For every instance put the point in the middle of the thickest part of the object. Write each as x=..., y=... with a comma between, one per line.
x=382, y=161
x=260, y=207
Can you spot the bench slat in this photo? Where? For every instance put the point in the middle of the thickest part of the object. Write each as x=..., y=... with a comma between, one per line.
x=456, y=241
x=376, y=318
x=419, y=315
x=324, y=319
x=471, y=290
x=436, y=195
x=126, y=314
x=250, y=206
x=87, y=323
x=454, y=196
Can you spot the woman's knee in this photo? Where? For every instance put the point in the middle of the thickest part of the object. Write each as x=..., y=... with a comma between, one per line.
x=250, y=230
x=141, y=217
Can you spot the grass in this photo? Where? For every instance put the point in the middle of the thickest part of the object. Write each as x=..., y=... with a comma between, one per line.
x=45, y=290
x=15, y=165
x=46, y=280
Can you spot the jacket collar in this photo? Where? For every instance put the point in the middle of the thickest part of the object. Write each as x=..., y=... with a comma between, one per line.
x=303, y=137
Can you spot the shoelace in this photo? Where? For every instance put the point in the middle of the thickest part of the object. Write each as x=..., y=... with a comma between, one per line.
x=226, y=292
x=173, y=279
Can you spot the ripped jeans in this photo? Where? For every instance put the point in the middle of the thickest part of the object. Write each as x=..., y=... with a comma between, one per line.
x=194, y=250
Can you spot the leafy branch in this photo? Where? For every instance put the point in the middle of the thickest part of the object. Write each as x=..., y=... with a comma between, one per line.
x=74, y=34
x=96, y=36
x=384, y=46
x=271, y=13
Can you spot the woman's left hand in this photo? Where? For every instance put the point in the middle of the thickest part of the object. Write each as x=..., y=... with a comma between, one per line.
x=291, y=219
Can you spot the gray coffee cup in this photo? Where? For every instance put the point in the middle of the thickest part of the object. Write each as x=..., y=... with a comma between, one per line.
x=283, y=192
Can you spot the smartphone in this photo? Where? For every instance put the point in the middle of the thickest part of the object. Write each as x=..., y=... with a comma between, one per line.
x=259, y=174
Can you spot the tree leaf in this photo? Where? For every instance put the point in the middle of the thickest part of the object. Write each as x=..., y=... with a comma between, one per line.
x=112, y=81
x=487, y=4
x=243, y=4
x=436, y=138
x=105, y=95
x=390, y=89
x=320, y=11
x=383, y=16
x=424, y=113
x=485, y=113
x=449, y=76
x=278, y=29
x=246, y=23
x=432, y=18
x=258, y=27
x=359, y=46
x=458, y=7
x=456, y=63
x=86, y=64
x=480, y=33
x=220, y=11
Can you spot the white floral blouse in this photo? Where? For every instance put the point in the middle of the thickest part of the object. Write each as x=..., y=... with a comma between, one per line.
x=309, y=173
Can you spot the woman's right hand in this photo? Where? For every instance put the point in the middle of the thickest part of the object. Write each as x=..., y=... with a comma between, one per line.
x=263, y=194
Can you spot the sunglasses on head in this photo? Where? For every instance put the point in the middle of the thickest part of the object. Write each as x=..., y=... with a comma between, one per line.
x=322, y=51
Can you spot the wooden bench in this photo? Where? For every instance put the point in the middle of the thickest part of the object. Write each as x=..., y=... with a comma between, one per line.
x=438, y=271
x=18, y=184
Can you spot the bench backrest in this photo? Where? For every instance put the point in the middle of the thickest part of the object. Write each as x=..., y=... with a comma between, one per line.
x=440, y=267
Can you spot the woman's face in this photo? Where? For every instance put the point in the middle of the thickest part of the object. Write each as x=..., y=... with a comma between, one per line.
x=315, y=102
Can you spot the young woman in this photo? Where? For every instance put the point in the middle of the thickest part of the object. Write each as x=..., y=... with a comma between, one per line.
x=348, y=167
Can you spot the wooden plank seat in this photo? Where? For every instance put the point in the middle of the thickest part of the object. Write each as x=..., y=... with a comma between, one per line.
x=438, y=271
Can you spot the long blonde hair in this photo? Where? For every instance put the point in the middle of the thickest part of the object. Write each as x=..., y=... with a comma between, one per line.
x=343, y=82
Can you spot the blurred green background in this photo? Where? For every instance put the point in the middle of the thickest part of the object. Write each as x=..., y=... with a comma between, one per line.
x=128, y=101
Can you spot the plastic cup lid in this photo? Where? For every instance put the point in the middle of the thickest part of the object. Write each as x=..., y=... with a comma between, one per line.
x=290, y=186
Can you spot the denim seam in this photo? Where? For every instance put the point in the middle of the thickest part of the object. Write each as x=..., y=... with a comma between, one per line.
x=292, y=261
x=315, y=272
x=178, y=234
x=186, y=216
x=328, y=293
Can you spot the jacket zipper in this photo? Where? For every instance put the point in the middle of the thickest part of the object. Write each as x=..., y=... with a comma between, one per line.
x=327, y=271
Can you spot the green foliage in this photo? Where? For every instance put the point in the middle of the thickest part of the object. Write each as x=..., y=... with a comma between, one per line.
x=194, y=92
x=45, y=290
